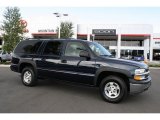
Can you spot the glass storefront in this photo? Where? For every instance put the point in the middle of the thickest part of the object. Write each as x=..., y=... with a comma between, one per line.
x=113, y=52
x=131, y=54
x=156, y=54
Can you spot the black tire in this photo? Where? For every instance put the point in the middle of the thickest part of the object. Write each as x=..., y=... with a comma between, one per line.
x=114, y=93
x=1, y=60
x=32, y=79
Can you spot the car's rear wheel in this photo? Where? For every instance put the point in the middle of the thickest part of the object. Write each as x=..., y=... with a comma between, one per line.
x=28, y=77
x=113, y=89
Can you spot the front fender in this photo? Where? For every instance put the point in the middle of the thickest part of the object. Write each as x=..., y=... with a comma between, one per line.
x=111, y=69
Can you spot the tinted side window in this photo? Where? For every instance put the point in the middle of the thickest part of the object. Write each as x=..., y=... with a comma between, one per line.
x=53, y=48
x=74, y=48
x=28, y=46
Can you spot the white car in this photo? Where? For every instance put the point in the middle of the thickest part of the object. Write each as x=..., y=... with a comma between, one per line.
x=4, y=56
x=127, y=57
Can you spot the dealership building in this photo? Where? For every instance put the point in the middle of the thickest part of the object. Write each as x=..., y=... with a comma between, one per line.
x=125, y=40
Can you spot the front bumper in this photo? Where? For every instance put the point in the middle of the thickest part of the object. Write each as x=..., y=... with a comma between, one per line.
x=140, y=87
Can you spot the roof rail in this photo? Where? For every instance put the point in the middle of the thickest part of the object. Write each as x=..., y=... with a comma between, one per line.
x=36, y=39
x=71, y=38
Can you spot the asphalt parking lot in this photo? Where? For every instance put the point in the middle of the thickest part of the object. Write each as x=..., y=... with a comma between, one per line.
x=57, y=97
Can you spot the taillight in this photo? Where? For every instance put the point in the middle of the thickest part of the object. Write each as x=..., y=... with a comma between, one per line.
x=15, y=60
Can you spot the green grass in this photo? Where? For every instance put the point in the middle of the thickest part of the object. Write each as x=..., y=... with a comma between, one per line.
x=5, y=63
x=154, y=65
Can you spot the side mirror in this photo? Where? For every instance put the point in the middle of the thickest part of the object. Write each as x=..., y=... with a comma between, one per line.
x=84, y=54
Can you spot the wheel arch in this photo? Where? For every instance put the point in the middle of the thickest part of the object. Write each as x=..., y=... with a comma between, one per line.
x=101, y=74
x=25, y=64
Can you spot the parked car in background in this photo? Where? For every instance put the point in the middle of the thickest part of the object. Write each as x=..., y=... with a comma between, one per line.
x=138, y=58
x=127, y=57
x=5, y=56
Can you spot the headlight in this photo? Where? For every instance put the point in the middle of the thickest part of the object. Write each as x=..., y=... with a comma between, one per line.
x=139, y=71
x=139, y=74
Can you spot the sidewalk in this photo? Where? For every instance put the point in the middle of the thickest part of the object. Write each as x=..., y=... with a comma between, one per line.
x=4, y=65
x=154, y=67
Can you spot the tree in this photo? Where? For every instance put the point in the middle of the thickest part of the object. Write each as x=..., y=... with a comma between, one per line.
x=66, y=30
x=13, y=30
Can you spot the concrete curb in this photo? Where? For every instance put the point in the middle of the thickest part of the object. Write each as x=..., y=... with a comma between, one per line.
x=154, y=67
x=4, y=65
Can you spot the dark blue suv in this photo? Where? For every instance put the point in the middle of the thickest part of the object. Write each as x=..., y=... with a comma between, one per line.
x=79, y=61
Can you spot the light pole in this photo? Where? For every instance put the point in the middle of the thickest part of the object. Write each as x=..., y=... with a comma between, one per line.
x=59, y=15
x=93, y=37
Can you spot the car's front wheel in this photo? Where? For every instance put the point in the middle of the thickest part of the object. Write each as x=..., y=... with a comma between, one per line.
x=113, y=89
x=28, y=77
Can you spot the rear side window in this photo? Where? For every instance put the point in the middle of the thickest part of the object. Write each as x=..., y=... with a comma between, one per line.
x=53, y=48
x=28, y=46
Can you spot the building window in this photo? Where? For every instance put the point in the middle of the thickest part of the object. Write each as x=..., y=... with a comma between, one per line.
x=138, y=43
x=130, y=54
x=157, y=42
x=156, y=54
x=113, y=52
x=83, y=37
x=107, y=42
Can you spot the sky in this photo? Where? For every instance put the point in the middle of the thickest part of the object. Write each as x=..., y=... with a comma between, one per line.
x=43, y=17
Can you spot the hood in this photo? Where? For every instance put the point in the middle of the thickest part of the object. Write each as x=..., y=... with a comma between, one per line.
x=124, y=64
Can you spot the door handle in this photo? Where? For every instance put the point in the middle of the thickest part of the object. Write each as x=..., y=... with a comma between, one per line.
x=63, y=61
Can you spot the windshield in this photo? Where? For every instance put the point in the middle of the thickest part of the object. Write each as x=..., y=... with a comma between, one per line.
x=99, y=49
x=0, y=51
